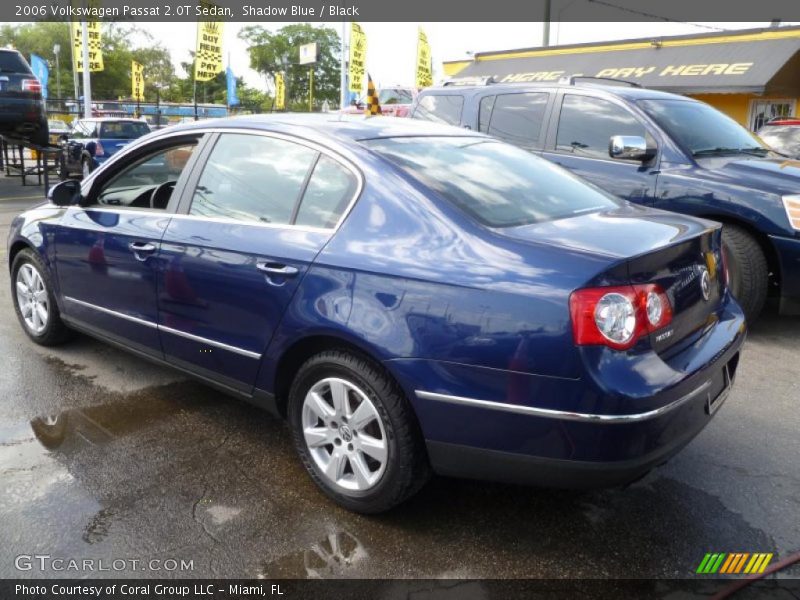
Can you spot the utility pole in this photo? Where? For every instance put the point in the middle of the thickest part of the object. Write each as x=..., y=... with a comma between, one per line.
x=311, y=89
x=87, y=78
x=546, y=23
x=343, y=67
x=57, y=51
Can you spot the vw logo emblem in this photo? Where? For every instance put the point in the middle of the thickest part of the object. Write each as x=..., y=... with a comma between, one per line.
x=345, y=433
x=705, y=284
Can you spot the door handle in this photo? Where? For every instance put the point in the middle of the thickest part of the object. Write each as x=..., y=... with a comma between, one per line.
x=144, y=248
x=271, y=268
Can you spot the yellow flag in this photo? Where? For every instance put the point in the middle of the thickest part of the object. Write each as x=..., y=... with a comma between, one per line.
x=424, y=76
x=208, y=55
x=358, y=57
x=95, y=46
x=137, y=81
x=280, y=92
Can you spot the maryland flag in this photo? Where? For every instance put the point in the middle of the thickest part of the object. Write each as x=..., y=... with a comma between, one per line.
x=373, y=107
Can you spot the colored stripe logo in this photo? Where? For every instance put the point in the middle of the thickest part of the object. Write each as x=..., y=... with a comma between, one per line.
x=734, y=563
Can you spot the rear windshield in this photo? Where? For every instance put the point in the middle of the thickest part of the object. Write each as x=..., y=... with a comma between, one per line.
x=498, y=184
x=123, y=130
x=11, y=62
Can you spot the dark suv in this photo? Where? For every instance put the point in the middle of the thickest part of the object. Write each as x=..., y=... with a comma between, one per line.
x=22, y=113
x=658, y=149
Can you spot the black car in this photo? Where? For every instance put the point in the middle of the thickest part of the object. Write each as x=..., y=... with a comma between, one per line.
x=22, y=113
x=657, y=149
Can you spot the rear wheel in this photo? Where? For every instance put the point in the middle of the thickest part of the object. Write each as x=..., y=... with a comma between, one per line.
x=747, y=269
x=34, y=302
x=355, y=432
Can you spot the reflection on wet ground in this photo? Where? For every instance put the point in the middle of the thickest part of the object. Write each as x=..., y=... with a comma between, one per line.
x=104, y=456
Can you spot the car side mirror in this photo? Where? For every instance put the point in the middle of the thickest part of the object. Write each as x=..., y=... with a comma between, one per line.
x=65, y=193
x=630, y=147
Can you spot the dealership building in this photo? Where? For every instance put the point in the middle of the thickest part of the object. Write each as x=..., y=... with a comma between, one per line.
x=752, y=75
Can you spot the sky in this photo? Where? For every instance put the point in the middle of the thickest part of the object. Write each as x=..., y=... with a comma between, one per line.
x=391, y=47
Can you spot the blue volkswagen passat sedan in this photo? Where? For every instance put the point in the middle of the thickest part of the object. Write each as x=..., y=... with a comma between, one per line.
x=413, y=298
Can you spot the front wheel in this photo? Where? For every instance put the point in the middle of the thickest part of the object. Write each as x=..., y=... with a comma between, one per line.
x=747, y=269
x=356, y=433
x=34, y=301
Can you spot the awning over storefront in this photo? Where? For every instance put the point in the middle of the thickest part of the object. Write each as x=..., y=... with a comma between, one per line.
x=754, y=63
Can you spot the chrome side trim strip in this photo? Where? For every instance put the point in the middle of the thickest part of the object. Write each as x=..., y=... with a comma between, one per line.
x=202, y=340
x=561, y=414
x=113, y=313
x=177, y=332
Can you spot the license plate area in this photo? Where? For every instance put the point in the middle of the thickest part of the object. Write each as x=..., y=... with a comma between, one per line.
x=721, y=386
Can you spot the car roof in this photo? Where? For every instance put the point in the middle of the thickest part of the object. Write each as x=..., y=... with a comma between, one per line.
x=333, y=125
x=623, y=91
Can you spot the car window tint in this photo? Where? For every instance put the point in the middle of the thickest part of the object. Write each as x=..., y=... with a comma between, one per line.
x=123, y=130
x=329, y=191
x=441, y=109
x=133, y=187
x=12, y=62
x=586, y=125
x=485, y=113
x=498, y=184
x=517, y=118
x=252, y=178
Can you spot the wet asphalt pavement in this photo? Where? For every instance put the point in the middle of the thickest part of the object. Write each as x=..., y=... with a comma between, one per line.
x=103, y=455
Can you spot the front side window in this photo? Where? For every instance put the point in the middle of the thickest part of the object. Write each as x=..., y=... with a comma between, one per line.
x=587, y=124
x=149, y=182
x=498, y=184
x=253, y=178
x=518, y=118
x=445, y=108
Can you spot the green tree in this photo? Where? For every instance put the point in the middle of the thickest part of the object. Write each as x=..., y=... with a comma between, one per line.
x=270, y=52
x=115, y=80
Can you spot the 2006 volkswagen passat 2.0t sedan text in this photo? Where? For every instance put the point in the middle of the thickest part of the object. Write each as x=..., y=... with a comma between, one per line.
x=412, y=298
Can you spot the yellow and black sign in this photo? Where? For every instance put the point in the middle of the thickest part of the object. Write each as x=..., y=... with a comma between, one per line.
x=358, y=57
x=280, y=92
x=373, y=106
x=95, y=46
x=137, y=81
x=424, y=76
x=208, y=54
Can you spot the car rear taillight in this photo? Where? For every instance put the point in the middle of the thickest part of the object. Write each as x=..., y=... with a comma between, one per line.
x=99, y=150
x=31, y=85
x=618, y=316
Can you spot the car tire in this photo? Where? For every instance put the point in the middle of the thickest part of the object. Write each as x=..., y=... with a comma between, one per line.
x=39, y=316
x=340, y=445
x=747, y=269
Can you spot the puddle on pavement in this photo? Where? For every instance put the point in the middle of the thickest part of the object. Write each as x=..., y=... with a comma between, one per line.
x=340, y=554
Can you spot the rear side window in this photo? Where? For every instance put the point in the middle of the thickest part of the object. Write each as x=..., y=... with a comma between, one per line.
x=12, y=62
x=253, y=178
x=517, y=118
x=587, y=124
x=329, y=191
x=441, y=109
x=485, y=113
x=84, y=130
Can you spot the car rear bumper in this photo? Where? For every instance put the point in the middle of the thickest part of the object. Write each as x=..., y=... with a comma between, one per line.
x=788, y=251
x=514, y=427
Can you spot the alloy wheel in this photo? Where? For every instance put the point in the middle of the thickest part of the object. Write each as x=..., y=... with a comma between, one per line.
x=344, y=434
x=32, y=299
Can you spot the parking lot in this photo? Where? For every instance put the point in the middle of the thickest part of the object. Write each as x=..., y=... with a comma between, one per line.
x=103, y=455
